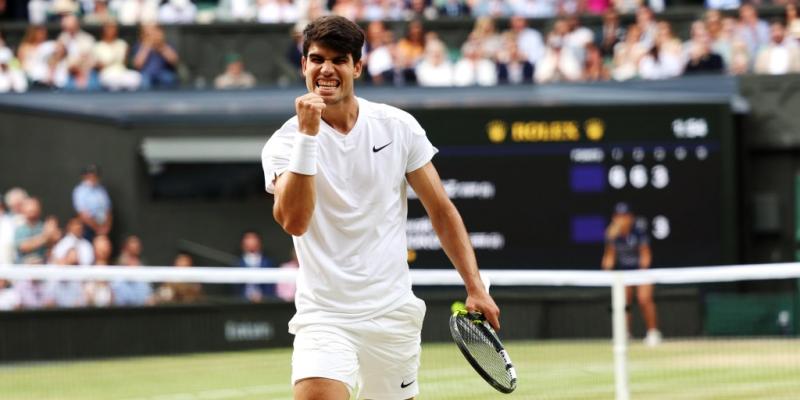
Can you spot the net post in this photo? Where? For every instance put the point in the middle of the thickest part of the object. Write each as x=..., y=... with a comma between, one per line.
x=620, y=337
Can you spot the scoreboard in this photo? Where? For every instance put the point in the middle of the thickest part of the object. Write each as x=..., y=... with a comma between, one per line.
x=537, y=187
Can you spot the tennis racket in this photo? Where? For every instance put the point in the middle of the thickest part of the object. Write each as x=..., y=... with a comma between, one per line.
x=482, y=348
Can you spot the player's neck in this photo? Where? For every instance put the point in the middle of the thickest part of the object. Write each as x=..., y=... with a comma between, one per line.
x=342, y=116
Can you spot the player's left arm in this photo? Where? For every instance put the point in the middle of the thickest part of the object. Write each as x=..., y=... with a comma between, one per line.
x=455, y=241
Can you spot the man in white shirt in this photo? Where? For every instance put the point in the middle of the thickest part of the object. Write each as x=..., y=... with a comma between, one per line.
x=781, y=55
x=339, y=171
x=73, y=240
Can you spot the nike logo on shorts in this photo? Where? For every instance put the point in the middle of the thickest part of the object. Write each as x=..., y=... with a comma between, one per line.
x=377, y=149
x=404, y=385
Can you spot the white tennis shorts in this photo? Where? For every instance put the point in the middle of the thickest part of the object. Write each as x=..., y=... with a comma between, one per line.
x=379, y=356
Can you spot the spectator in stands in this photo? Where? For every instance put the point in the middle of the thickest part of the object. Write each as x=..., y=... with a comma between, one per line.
x=83, y=77
x=68, y=293
x=596, y=7
x=92, y=203
x=12, y=77
x=628, y=248
x=236, y=10
x=627, y=54
x=485, y=37
x=286, y=290
x=452, y=8
x=781, y=55
x=626, y=6
x=435, y=69
x=110, y=54
x=38, y=11
x=491, y=9
x=378, y=59
x=594, y=66
x=701, y=59
x=723, y=4
x=32, y=240
x=792, y=21
x=7, y=228
x=56, y=72
x=665, y=59
x=131, y=250
x=78, y=43
x=559, y=63
x=513, y=66
x=99, y=293
x=409, y=52
x=276, y=11
x=135, y=12
x=645, y=20
x=27, y=51
x=175, y=12
x=132, y=293
x=390, y=10
x=15, y=201
x=350, y=9
x=752, y=30
x=180, y=292
x=611, y=33
x=528, y=40
x=10, y=298
x=155, y=59
x=253, y=257
x=101, y=14
x=73, y=240
x=474, y=69
x=577, y=37
x=235, y=75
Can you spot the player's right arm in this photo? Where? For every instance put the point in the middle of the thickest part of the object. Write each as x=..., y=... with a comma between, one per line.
x=295, y=196
x=608, y=257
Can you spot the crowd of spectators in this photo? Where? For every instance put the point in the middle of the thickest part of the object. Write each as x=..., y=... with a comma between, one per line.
x=648, y=48
x=28, y=237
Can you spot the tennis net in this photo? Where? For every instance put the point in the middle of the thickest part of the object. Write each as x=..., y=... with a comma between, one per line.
x=728, y=333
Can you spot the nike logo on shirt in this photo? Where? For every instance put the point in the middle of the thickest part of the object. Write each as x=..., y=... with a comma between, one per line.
x=377, y=149
x=403, y=384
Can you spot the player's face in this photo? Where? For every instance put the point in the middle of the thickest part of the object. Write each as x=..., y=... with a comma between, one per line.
x=329, y=73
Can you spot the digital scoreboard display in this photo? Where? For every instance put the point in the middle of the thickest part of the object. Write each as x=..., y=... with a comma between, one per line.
x=537, y=187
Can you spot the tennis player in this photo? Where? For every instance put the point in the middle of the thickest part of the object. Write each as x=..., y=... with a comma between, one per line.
x=339, y=171
x=628, y=248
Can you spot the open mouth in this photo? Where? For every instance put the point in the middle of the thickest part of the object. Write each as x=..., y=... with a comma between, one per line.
x=326, y=84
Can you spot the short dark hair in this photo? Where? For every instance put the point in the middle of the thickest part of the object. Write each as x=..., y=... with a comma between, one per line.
x=336, y=33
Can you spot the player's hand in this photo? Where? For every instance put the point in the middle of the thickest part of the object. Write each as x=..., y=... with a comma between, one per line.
x=482, y=302
x=309, y=112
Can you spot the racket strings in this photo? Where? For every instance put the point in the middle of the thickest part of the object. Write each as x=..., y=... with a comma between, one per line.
x=482, y=349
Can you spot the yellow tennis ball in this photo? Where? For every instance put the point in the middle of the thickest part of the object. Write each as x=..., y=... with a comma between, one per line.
x=458, y=306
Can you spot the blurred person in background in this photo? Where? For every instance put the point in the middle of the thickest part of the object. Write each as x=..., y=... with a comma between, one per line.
x=350, y=9
x=235, y=75
x=594, y=66
x=628, y=248
x=276, y=11
x=535, y=8
x=701, y=59
x=378, y=58
x=7, y=228
x=56, y=73
x=9, y=296
x=751, y=29
x=723, y=4
x=577, y=37
x=236, y=10
x=27, y=51
x=491, y=9
x=409, y=51
x=626, y=6
x=781, y=55
x=665, y=58
x=596, y=7
x=559, y=64
x=452, y=8
x=155, y=59
x=132, y=293
x=513, y=66
x=83, y=77
x=473, y=69
x=101, y=14
x=721, y=34
x=67, y=293
x=78, y=43
x=792, y=21
x=286, y=290
x=180, y=292
x=646, y=21
x=611, y=33
x=253, y=257
x=485, y=37
x=627, y=55
x=135, y=12
x=176, y=12
x=73, y=240
x=110, y=54
x=92, y=203
x=420, y=9
x=34, y=238
x=12, y=77
x=528, y=40
x=14, y=200
x=131, y=250
x=99, y=293
x=435, y=69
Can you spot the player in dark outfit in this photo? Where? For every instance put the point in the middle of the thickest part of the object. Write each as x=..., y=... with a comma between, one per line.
x=628, y=248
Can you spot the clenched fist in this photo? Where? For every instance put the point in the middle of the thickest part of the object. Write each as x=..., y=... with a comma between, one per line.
x=309, y=112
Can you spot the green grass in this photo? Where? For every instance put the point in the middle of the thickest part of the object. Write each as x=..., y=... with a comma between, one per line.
x=697, y=369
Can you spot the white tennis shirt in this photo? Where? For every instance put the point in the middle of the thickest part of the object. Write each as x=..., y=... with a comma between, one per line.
x=353, y=257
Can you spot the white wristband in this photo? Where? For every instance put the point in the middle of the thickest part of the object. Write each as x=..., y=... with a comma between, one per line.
x=304, y=155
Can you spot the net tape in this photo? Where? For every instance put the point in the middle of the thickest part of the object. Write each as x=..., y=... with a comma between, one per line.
x=419, y=276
